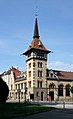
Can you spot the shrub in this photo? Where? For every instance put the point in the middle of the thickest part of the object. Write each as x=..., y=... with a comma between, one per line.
x=4, y=91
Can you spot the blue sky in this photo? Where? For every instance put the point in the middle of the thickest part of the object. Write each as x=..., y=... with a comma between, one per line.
x=55, y=21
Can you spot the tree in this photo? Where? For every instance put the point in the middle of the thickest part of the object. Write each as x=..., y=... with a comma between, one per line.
x=4, y=91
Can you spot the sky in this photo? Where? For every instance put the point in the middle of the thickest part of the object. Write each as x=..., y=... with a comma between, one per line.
x=55, y=22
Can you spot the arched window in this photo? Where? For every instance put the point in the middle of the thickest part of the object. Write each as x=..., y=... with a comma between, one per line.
x=60, y=90
x=51, y=86
x=68, y=90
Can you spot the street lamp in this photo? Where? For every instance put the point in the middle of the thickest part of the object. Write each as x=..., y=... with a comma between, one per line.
x=25, y=92
x=57, y=86
x=18, y=91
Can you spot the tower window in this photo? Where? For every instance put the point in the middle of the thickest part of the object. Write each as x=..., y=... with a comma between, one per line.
x=29, y=73
x=40, y=73
x=41, y=84
x=40, y=65
x=38, y=84
x=29, y=54
x=29, y=83
x=33, y=64
x=29, y=65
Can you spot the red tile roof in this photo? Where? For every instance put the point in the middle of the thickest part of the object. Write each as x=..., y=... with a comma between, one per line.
x=35, y=44
x=64, y=75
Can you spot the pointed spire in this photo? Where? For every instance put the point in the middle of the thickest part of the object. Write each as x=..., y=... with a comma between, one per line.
x=36, y=32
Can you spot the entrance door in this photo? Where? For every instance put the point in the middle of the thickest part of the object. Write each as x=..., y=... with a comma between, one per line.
x=41, y=96
x=51, y=94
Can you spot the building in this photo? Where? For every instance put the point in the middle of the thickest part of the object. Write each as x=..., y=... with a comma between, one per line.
x=38, y=83
x=59, y=85
x=44, y=84
x=9, y=77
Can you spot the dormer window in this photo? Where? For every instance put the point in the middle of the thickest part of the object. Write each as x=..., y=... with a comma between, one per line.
x=51, y=74
x=39, y=45
x=30, y=46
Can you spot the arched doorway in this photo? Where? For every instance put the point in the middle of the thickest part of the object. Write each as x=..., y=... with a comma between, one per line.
x=51, y=91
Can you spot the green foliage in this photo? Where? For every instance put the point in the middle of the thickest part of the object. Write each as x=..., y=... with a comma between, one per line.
x=12, y=110
x=3, y=91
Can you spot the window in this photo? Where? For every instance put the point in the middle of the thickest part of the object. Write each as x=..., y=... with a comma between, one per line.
x=29, y=83
x=11, y=87
x=16, y=95
x=21, y=95
x=51, y=86
x=29, y=65
x=38, y=84
x=39, y=73
x=33, y=64
x=16, y=86
x=60, y=90
x=21, y=85
x=40, y=64
x=37, y=93
x=29, y=54
x=67, y=90
x=41, y=84
x=29, y=73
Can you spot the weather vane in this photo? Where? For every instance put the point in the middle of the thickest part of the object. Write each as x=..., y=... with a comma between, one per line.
x=36, y=10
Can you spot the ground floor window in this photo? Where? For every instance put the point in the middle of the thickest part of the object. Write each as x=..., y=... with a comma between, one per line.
x=60, y=90
x=67, y=90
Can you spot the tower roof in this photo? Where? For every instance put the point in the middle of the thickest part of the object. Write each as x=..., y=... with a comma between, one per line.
x=36, y=32
x=36, y=43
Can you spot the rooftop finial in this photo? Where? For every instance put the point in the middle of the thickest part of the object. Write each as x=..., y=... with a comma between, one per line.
x=36, y=11
x=36, y=32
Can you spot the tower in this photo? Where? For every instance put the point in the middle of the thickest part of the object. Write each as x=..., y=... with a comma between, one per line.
x=36, y=65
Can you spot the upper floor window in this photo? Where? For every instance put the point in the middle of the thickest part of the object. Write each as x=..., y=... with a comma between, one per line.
x=29, y=54
x=38, y=84
x=41, y=84
x=40, y=65
x=33, y=64
x=16, y=86
x=29, y=65
x=29, y=73
x=40, y=73
x=21, y=85
x=51, y=86
x=29, y=83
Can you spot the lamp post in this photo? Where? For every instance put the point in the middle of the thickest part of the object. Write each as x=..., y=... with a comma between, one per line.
x=18, y=91
x=25, y=92
x=57, y=86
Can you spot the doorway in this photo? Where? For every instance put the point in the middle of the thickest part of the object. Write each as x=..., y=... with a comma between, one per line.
x=41, y=96
x=51, y=94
